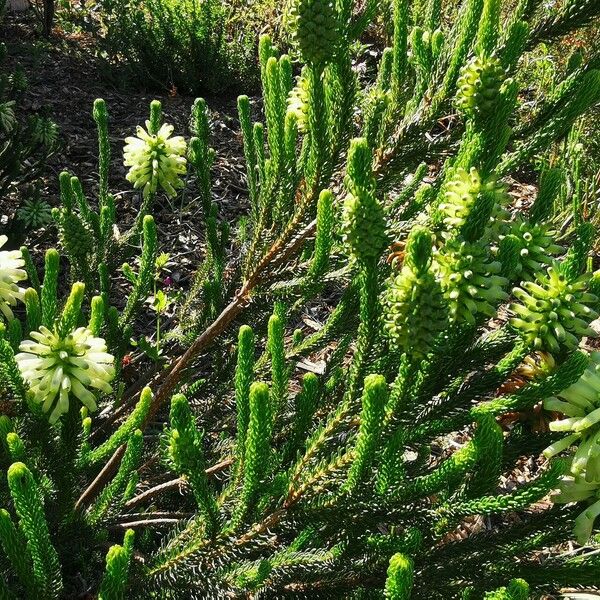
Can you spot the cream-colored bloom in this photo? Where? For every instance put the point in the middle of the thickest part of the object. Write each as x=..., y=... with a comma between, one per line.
x=576, y=488
x=580, y=404
x=155, y=160
x=11, y=273
x=297, y=101
x=56, y=367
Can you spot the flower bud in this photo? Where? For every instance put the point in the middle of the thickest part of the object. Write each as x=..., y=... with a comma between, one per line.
x=553, y=312
x=316, y=29
x=478, y=86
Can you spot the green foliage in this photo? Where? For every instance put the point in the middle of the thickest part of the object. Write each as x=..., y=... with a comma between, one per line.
x=70, y=314
x=323, y=238
x=120, y=489
x=399, y=582
x=399, y=48
x=186, y=44
x=517, y=589
x=202, y=156
x=49, y=298
x=15, y=549
x=142, y=282
x=371, y=422
x=96, y=322
x=257, y=450
x=118, y=559
x=34, y=213
x=244, y=374
x=489, y=444
x=100, y=114
x=185, y=450
x=121, y=435
x=10, y=376
x=279, y=375
x=32, y=522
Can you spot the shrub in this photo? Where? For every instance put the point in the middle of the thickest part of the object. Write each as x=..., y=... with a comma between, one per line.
x=185, y=44
x=357, y=481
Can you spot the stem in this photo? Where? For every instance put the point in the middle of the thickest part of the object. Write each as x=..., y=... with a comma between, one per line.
x=152, y=522
x=180, y=482
x=101, y=479
x=367, y=330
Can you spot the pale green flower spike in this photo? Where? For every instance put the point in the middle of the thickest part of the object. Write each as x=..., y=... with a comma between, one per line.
x=415, y=309
x=479, y=86
x=580, y=403
x=553, y=312
x=316, y=28
x=155, y=160
x=462, y=192
x=11, y=273
x=55, y=366
x=537, y=248
x=470, y=282
x=297, y=101
x=363, y=220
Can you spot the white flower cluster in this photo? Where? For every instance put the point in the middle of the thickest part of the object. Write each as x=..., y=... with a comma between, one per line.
x=155, y=160
x=55, y=366
x=575, y=488
x=11, y=274
x=580, y=404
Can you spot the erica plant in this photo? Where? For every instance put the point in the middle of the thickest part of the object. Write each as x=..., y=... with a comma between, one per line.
x=455, y=350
